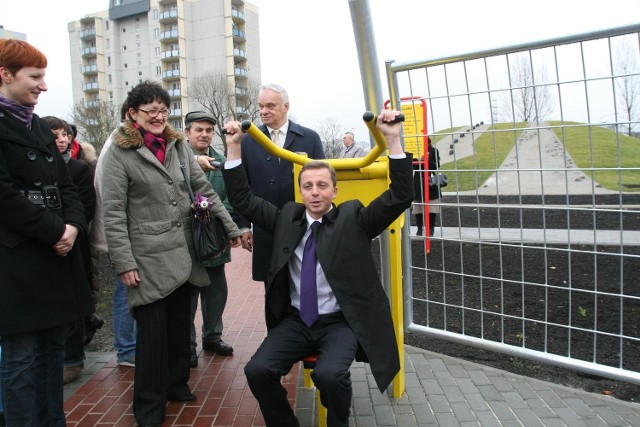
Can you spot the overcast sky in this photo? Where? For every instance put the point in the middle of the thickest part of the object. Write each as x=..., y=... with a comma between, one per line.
x=309, y=47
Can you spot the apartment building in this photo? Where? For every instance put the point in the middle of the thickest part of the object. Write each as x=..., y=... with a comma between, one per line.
x=8, y=34
x=171, y=41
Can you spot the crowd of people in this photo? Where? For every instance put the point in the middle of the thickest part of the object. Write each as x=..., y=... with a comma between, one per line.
x=59, y=212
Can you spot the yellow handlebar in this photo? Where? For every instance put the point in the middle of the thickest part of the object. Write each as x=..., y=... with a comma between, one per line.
x=338, y=164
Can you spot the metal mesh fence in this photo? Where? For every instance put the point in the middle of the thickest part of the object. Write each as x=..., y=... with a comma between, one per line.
x=536, y=245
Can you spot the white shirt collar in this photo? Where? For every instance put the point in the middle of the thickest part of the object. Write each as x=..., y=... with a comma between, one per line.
x=284, y=128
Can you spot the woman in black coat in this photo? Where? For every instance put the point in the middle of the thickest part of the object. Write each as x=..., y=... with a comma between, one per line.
x=42, y=284
x=420, y=188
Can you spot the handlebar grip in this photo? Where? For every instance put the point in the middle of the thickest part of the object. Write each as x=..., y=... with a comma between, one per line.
x=369, y=116
x=224, y=131
x=246, y=124
x=215, y=164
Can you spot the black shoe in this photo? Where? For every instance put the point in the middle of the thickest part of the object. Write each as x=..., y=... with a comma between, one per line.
x=190, y=397
x=92, y=323
x=419, y=231
x=193, y=359
x=219, y=347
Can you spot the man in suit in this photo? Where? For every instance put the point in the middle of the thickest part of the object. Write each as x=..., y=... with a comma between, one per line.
x=350, y=314
x=269, y=177
x=351, y=149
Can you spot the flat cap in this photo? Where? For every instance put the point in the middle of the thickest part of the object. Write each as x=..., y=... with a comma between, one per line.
x=199, y=116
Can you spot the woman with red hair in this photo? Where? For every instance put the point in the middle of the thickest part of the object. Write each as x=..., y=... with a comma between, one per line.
x=42, y=285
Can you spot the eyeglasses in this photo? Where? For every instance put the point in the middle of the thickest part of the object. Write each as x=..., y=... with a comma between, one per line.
x=154, y=113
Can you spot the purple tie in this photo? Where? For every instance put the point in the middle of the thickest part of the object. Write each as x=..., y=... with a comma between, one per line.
x=308, y=287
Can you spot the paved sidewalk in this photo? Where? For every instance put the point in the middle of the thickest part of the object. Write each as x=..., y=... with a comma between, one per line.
x=440, y=390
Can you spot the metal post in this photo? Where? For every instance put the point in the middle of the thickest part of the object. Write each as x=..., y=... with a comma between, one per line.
x=372, y=89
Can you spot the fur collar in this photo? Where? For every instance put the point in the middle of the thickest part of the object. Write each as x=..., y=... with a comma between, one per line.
x=127, y=136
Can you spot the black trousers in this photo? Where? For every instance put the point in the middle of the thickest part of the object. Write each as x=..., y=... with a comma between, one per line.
x=287, y=343
x=162, y=354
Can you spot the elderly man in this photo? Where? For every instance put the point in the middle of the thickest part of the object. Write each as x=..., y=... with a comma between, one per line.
x=269, y=177
x=319, y=298
x=351, y=149
x=199, y=128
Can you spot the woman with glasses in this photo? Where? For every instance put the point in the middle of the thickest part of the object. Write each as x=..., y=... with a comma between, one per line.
x=147, y=222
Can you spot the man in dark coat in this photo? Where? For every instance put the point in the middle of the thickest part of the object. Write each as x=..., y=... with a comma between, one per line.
x=269, y=177
x=350, y=312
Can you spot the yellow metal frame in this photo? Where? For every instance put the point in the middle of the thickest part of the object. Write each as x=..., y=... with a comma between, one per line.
x=361, y=178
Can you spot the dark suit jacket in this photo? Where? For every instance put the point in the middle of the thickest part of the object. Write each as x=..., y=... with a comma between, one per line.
x=272, y=180
x=343, y=245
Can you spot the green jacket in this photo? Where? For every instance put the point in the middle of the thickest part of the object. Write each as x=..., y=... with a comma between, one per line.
x=217, y=182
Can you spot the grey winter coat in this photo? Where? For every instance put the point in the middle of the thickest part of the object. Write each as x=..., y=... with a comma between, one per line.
x=147, y=213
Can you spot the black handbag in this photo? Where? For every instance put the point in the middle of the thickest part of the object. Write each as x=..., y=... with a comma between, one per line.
x=209, y=237
x=438, y=180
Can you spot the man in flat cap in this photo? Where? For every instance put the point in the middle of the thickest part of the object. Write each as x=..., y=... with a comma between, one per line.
x=199, y=129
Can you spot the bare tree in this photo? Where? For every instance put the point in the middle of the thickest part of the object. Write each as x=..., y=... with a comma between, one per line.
x=216, y=94
x=330, y=132
x=530, y=99
x=95, y=121
x=627, y=83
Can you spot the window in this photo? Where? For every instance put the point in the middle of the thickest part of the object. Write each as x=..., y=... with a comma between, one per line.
x=107, y=43
x=139, y=73
x=138, y=45
x=116, y=2
x=125, y=65
x=126, y=83
x=110, y=78
x=155, y=13
x=158, y=70
x=139, y=54
x=106, y=25
x=157, y=52
x=137, y=36
x=110, y=96
x=139, y=63
x=124, y=30
x=156, y=33
x=108, y=60
x=124, y=47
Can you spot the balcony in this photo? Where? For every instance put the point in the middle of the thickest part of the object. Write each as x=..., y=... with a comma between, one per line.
x=88, y=33
x=170, y=74
x=168, y=15
x=170, y=55
x=169, y=35
x=238, y=34
x=237, y=15
x=240, y=72
x=92, y=103
x=176, y=112
x=241, y=91
x=239, y=53
x=167, y=3
x=174, y=93
x=90, y=87
x=90, y=69
x=240, y=111
x=87, y=52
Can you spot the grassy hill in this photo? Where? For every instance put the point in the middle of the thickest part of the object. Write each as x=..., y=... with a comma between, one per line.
x=611, y=159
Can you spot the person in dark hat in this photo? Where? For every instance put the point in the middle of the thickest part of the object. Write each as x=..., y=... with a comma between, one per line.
x=199, y=129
